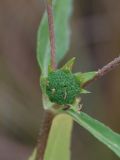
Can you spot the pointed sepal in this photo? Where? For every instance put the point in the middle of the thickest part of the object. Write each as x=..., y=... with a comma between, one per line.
x=83, y=91
x=69, y=65
x=86, y=77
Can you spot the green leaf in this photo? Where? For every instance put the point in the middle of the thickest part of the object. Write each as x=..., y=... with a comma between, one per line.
x=85, y=77
x=98, y=130
x=68, y=66
x=58, y=146
x=62, y=13
x=33, y=156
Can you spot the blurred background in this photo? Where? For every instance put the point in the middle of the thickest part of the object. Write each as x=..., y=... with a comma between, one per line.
x=95, y=41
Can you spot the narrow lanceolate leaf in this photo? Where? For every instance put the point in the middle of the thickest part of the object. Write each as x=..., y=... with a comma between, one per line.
x=84, y=78
x=98, y=130
x=58, y=146
x=62, y=12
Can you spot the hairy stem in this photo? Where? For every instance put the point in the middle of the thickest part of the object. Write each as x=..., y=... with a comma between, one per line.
x=107, y=68
x=51, y=32
x=104, y=70
x=44, y=133
x=48, y=115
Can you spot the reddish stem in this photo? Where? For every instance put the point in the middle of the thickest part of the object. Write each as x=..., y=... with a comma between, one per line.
x=51, y=32
x=47, y=120
x=104, y=70
x=44, y=133
x=107, y=68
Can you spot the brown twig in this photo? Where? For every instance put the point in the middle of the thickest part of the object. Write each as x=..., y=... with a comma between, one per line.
x=48, y=115
x=44, y=133
x=104, y=70
x=107, y=68
x=51, y=32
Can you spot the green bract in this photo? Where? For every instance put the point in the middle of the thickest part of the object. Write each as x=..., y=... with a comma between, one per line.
x=62, y=87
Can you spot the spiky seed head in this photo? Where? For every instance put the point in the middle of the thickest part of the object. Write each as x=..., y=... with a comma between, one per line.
x=62, y=87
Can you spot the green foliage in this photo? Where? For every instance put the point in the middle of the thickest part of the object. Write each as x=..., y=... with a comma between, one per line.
x=68, y=66
x=58, y=147
x=85, y=77
x=98, y=130
x=62, y=87
x=62, y=33
x=33, y=156
x=60, y=134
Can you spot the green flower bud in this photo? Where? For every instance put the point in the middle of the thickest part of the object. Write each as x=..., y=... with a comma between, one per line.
x=62, y=87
